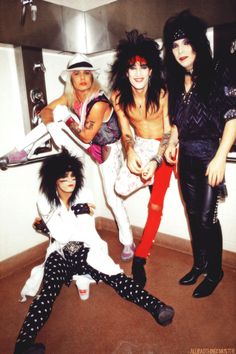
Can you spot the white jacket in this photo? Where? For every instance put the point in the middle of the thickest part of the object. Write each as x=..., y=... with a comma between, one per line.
x=64, y=226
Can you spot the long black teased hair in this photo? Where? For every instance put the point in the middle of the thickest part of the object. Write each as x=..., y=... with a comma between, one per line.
x=55, y=167
x=137, y=44
x=195, y=30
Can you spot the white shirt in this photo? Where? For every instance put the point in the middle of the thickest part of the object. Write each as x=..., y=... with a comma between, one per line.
x=65, y=226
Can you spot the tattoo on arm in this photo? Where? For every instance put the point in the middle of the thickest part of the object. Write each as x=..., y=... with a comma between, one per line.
x=163, y=144
x=74, y=127
x=128, y=141
x=89, y=125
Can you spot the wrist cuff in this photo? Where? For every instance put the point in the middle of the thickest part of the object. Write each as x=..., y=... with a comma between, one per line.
x=158, y=159
x=70, y=121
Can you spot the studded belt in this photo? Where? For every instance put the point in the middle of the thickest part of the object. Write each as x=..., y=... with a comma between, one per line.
x=72, y=247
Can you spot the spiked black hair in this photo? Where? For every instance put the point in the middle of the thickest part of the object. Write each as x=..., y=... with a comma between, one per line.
x=194, y=29
x=137, y=44
x=55, y=167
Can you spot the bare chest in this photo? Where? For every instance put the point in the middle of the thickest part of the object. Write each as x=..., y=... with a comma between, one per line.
x=139, y=114
x=147, y=125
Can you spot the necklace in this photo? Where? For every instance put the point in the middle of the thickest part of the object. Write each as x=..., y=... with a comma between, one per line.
x=139, y=104
x=140, y=109
x=186, y=96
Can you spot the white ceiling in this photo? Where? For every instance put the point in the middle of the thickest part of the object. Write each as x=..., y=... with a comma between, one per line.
x=82, y=5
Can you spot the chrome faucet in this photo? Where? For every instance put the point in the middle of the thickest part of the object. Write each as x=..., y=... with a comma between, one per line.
x=39, y=66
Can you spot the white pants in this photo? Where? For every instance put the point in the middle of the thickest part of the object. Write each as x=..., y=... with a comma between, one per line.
x=109, y=172
x=60, y=134
x=127, y=182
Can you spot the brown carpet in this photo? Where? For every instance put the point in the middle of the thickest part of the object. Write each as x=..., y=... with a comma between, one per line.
x=107, y=324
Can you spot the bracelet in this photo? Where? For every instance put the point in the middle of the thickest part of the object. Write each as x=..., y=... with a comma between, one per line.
x=158, y=159
x=70, y=121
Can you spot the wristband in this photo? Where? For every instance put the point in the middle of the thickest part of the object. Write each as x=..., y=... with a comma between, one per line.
x=80, y=208
x=70, y=121
x=41, y=227
x=158, y=159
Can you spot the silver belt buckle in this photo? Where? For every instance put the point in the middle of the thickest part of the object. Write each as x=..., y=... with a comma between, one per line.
x=72, y=247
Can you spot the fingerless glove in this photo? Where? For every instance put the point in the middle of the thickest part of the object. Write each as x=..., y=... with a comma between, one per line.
x=41, y=227
x=80, y=208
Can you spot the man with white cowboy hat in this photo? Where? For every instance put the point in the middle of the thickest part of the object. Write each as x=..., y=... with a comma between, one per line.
x=79, y=62
x=23, y=153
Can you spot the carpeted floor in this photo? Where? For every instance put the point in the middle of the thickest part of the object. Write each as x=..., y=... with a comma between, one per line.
x=107, y=324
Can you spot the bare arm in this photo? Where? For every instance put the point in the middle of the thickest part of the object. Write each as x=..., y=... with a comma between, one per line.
x=92, y=124
x=216, y=168
x=156, y=161
x=133, y=160
x=170, y=152
x=151, y=167
x=127, y=136
x=167, y=128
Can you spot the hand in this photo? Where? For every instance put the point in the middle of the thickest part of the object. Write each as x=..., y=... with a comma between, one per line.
x=216, y=171
x=37, y=220
x=138, y=271
x=170, y=154
x=40, y=226
x=83, y=208
x=62, y=114
x=92, y=208
x=134, y=163
x=149, y=170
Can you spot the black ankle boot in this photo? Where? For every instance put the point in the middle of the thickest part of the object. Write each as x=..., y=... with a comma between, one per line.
x=207, y=286
x=138, y=271
x=191, y=277
x=164, y=314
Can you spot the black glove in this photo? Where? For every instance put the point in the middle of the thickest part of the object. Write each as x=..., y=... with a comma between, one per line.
x=41, y=227
x=80, y=208
x=138, y=271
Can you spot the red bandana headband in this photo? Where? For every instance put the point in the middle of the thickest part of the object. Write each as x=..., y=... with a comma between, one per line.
x=138, y=59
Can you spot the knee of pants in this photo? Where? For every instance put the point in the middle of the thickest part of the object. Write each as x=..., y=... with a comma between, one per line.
x=206, y=222
x=156, y=208
x=112, y=199
x=55, y=268
x=207, y=218
x=119, y=188
x=192, y=214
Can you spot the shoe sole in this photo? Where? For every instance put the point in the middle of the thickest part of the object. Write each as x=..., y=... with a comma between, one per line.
x=169, y=315
x=16, y=164
x=26, y=162
x=126, y=258
x=3, y=168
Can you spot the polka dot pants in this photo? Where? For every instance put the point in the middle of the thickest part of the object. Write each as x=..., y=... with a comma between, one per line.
x=59, y=271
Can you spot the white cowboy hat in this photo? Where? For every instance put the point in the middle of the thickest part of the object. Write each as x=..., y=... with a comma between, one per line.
x=77, y=62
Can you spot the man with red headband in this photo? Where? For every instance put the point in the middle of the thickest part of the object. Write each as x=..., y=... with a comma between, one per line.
x=140, y=101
